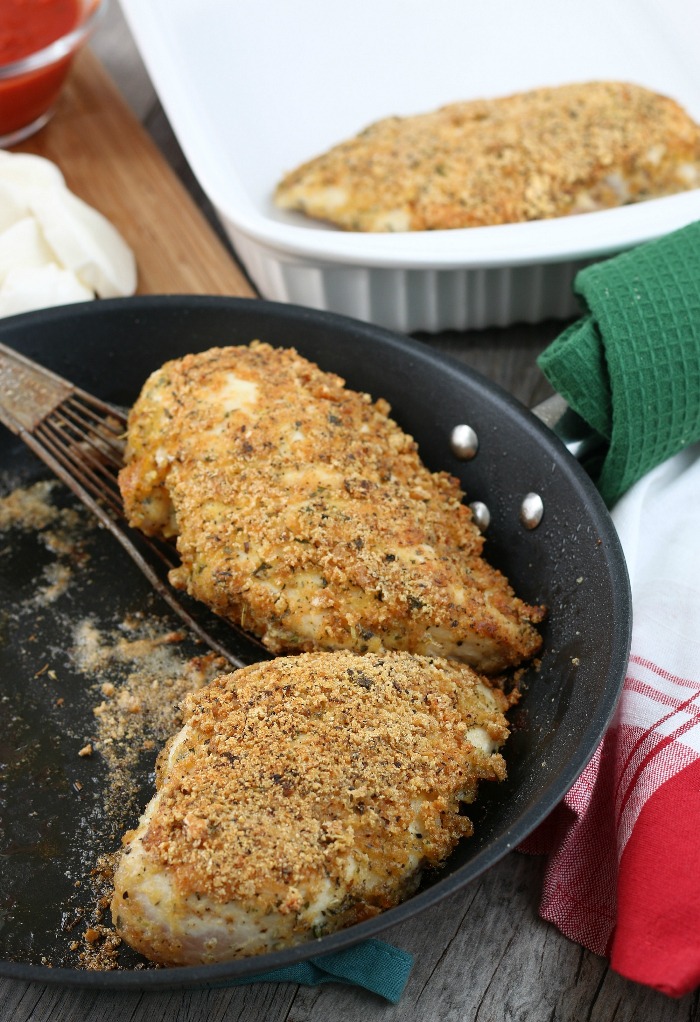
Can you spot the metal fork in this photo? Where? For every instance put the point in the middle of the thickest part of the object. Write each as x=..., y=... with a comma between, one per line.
x=82, y=440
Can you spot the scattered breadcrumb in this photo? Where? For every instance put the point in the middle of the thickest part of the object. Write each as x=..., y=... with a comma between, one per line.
x=136, y=670
x=139, y=709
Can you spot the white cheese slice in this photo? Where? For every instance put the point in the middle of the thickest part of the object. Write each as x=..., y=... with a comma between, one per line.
x=26, y=288
x=23, y=245
x=13, y=205
x=43, y=225
x=29, y=171
x=85, y=242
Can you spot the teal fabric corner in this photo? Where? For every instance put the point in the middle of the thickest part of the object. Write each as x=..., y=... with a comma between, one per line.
x=373, y=965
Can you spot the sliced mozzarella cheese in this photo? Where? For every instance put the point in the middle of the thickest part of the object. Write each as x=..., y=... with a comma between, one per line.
x=23, y=245
x=29, y=171
x=21, y=177
x=13, y=204
x=27, y=288
x=85, y=242
x=82, y=246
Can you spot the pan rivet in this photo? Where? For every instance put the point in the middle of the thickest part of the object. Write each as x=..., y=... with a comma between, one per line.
x=464, y=442
x=481, y=515
x=531, y=510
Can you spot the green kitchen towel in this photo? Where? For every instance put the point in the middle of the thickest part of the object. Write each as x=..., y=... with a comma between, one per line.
x=374, y=965
x=631, y=365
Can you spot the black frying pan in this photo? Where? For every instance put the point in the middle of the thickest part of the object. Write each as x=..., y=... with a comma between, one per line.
x=572, y=562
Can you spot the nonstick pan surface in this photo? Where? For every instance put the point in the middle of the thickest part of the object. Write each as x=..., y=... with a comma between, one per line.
x=52, y=826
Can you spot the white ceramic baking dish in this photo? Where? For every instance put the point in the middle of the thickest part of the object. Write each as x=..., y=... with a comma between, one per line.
x=252, y=89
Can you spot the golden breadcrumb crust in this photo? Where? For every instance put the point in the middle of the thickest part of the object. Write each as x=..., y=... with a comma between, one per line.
x=311, y=772
x=304, y=514
x=534, y=155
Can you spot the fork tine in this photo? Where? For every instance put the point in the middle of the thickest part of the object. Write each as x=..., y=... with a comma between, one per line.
x=81, y=439
x=83, y=462
x=80, y=417
x=99, y=479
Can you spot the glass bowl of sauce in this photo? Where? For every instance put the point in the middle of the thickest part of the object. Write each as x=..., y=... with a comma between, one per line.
x=38, y=40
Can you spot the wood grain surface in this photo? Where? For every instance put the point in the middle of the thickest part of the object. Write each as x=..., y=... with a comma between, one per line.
x=109, y=160
x=483, y=954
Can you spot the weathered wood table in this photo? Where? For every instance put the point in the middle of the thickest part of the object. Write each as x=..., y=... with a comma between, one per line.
x=483, y=954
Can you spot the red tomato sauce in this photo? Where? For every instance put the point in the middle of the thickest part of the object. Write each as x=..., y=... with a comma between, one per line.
x=27, y=26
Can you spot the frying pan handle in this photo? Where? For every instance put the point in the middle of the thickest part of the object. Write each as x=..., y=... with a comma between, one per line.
x=574, y=432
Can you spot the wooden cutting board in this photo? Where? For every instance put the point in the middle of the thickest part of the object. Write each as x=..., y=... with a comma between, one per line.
x=110, y=161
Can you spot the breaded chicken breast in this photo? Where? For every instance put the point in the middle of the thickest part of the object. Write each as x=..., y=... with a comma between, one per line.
x=534, y=155
x=303, y=795
x=304, y=514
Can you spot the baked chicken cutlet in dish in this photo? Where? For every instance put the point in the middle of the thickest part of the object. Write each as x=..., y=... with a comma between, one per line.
x=304, y=515
x=303, y=795
x=534, y=155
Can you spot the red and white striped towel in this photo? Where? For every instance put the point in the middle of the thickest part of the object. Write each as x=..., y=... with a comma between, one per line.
x=623, y=876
